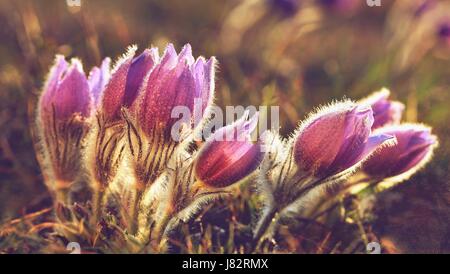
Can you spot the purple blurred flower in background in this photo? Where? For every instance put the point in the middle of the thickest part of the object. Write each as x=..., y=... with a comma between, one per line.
x=66, y=92
x=178, y=80
x=341, y=6
x=413, y=149
x=385, y=112
x=126, y=81
x=423, y=7
x=223, y=161
x=287, y=7
x=443, y=31
x=336, y=139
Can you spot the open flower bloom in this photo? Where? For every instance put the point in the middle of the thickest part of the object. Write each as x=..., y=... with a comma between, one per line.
x=385, y=112
x=223, y=161
x=178, y=80
x=335, y=139
x=414, y=148
x=126, y=80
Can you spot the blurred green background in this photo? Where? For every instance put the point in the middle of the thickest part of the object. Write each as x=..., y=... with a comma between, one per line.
x=295, y=54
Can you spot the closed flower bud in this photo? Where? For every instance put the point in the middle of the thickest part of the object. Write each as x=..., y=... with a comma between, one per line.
x=126, y=80
x=414, y=148
x=385, y=112
x=66, y=92
x=64, y=106
x=223, y=161
x=177, y=81
x=336, y=139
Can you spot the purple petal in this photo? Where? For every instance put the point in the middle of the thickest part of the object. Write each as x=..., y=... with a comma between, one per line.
x=72, y=95
x=56, y=72
x=113, y=95
x=318, y=144
x=385, y=112
x=139, y=68
x=98, y=78
x=176, y=81
x=414, y=143
x=374, y=142
x=358, y=124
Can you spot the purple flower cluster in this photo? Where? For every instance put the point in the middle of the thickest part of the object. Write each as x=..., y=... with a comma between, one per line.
x=149, y=87
x=117, y=126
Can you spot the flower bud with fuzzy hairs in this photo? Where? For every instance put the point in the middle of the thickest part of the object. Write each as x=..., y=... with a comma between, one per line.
x=414, y=148
x=178, y=80
x=194, y=180
x=222, y=162
x=126, y=80
x=106, y=143
x=336, y=139
x=64, y=108
x=385, y=112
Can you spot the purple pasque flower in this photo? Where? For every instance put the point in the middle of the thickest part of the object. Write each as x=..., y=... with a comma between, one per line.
x=65, y=93
x=178, y=80
x=65, y=105
x=126, y=81
x=336, y=139
x=98, y=78
x=229, y=155
x=385, y=111
x=413, y=149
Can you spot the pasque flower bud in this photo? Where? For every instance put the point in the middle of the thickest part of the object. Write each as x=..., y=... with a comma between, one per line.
x=385, y=111
x=414, y=148
x=65, y=104
x=335, y=139
x=66, y=92
x=229, y=155
x=126, y=80
x=112, y=93
x=177, y=80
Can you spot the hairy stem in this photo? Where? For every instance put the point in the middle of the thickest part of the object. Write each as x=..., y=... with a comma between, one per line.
x=97, y=204
x=263, y=225
x=134, y=214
